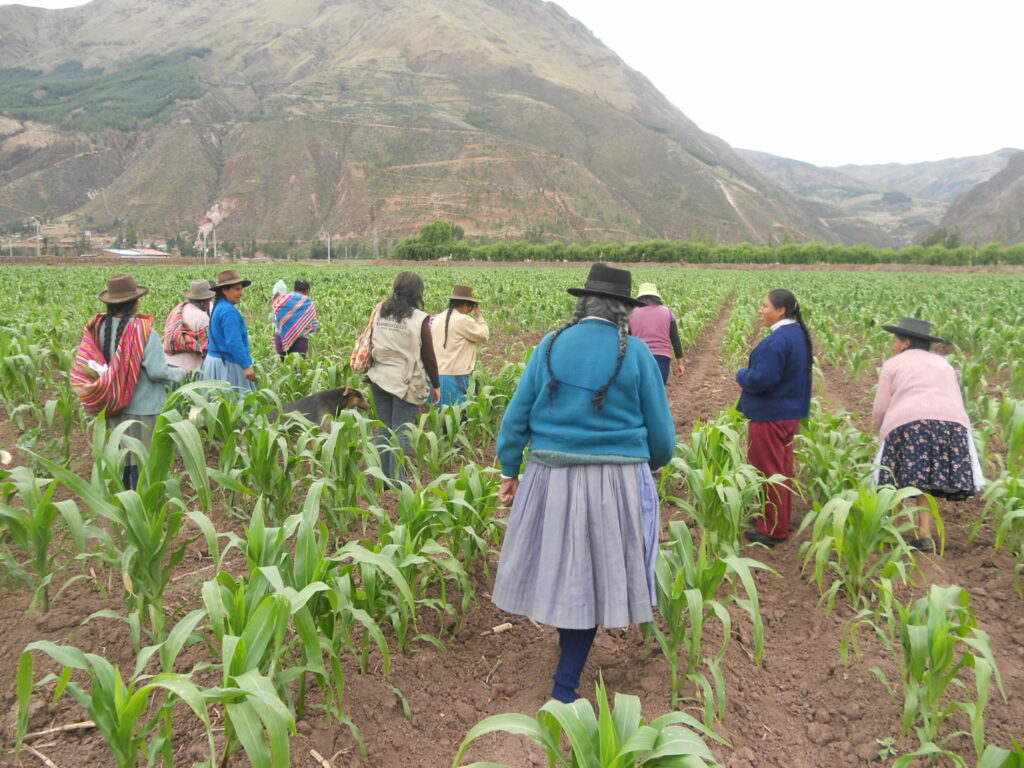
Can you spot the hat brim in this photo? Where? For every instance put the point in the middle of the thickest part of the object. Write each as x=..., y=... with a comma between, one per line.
x=243, y=283
x=463, y=298
x=653, y=295
x=895, y=329
x=204, y=297
x=629, y=301
x=106, y=298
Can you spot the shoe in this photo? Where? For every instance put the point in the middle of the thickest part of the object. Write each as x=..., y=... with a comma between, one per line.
x=754, y=536
x=924, y=544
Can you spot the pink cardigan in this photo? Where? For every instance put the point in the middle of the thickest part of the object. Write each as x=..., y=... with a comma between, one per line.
x=917, y=385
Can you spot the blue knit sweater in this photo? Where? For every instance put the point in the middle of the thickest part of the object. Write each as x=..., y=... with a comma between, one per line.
x=776, y=382
x=229, y=335
x=635, y=421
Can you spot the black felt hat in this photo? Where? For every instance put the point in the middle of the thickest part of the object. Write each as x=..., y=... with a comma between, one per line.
x=609, y=282
x=912, y=328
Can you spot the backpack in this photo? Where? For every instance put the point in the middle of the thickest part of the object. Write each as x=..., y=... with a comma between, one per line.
x=362, y=354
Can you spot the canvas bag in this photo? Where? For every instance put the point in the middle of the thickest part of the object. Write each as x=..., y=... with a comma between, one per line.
x=103, y=386
x=359, y=362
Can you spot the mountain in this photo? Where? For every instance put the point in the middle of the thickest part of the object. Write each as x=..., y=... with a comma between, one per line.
x=888, y=205
x=359, y=117
x=942, y=180
x=992, y=211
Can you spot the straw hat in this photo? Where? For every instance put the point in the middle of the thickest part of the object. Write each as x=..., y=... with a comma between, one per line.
x=230, y=277
x=462, y=293
x=609, y=282
x=199, y=290
x=912, y=328
x=122, y=288
x=647, y=289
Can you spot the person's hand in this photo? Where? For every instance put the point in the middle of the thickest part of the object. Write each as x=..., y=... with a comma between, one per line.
x=477, y=312
x=680, y=368
x=250, y=373
x=435, y=395
x=509, y=486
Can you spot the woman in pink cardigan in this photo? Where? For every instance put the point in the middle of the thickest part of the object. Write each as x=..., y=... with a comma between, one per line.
x=920, y=416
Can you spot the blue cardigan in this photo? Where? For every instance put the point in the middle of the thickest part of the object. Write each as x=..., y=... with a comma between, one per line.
x=229, y=335
x=635, y=422
x=777, y=382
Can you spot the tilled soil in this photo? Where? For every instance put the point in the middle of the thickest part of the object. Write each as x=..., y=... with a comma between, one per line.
x=801, y=707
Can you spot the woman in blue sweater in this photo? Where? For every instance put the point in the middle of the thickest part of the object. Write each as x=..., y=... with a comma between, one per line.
x=582, y=536
x=228, y=356
x=776, y=394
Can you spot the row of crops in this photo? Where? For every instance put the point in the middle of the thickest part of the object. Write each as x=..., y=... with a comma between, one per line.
x=316, y=570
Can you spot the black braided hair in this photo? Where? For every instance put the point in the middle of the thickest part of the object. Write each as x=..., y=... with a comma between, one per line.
x=785, y=300
x=606, y=308
x=124, y=309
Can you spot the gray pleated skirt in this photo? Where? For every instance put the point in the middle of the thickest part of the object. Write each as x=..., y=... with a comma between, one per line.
x=574, y=554
x=224, y=370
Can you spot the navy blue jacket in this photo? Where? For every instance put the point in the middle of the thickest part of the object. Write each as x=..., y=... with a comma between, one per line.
x=777, y=382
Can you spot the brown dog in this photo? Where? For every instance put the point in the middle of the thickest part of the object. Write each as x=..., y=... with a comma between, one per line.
x=318, y=406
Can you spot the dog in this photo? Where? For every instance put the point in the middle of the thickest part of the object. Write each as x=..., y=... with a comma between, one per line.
x=320, y=405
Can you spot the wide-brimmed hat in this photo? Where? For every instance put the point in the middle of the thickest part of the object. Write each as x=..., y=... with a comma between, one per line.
x=230, y=277
x=609, y=282
x=462, y=293
x=647, y=289
x=912, y=328
x=122, y=288
x=199, y=290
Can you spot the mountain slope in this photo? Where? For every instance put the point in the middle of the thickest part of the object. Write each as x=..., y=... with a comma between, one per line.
x=363, y=115
x=992, y=211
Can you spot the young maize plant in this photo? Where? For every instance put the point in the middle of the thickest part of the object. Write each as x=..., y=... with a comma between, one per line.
x=611, y=738
x=135, y=718
x=934, y=640
x=723, y=490
x=39, y=527
x=857, y=536
x=833, y=455
x=688, y=580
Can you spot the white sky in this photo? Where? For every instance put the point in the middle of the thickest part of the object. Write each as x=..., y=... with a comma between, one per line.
x=826, y=81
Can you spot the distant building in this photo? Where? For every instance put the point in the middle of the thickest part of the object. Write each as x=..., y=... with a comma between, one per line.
x=134, y=253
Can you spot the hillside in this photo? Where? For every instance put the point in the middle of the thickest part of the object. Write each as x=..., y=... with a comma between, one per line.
x=888, y=205
x=992, y=211
x=361, y=118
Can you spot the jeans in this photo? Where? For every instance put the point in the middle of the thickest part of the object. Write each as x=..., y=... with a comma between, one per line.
x=396, y=414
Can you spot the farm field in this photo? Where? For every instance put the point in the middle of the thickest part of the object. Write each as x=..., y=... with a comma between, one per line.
x=278, y=591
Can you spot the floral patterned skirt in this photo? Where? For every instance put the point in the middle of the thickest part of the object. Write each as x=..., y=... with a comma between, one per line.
x=937, y=457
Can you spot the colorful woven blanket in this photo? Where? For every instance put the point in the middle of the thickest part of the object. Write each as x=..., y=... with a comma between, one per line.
x=294, y=316
x=109, y=386
x=179, y=337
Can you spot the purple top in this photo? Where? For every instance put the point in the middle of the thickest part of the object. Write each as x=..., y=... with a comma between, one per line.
x=653, y=324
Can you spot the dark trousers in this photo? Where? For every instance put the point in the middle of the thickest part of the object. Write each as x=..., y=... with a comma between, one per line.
x=397, y=415
x=299, y=347
x=771, y=451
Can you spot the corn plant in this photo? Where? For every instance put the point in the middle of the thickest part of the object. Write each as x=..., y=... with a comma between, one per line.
x=33, y=525
x=618, y=738
x=832, y=453
x=934, y=640
x=134, y=717
x=857, y=536
x=723, y=490
x=688, y=580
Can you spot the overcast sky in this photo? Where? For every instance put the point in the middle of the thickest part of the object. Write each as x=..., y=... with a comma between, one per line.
x=827, y=81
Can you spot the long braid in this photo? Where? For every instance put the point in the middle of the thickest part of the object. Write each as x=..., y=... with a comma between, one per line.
x=447, y=319
x=124, y=324
x=553, y=384
x=623, y=323
x=783, y=299
x=594, y=306
x=106, y=324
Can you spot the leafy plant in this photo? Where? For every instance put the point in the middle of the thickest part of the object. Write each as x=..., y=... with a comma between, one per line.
x=608, y=739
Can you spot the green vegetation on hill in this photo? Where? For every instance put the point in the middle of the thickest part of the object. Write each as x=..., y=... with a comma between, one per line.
x=75, y=98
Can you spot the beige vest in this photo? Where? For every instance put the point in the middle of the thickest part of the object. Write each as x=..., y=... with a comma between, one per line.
x=396, y=366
